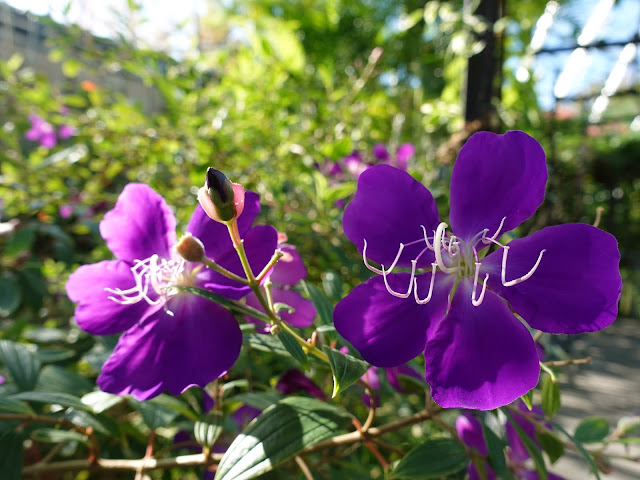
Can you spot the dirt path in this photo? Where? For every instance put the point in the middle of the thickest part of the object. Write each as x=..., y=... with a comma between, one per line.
x=609, y=387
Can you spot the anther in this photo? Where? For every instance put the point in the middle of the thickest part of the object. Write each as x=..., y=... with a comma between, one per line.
x=511, y=283
x=394, y=293
x=478, y=302
x=415, y=287
x=437, y=249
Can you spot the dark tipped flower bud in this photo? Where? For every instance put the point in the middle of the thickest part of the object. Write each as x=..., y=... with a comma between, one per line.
x=190, y=248
x=221, y=200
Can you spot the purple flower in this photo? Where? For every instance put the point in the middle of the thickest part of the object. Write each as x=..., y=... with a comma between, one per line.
x=288, y=271
x=469, y=430
x=404, y=153
x=562, y=279
x=66, y=131
x=66, y=210
x=41, y=131
x=293, y=381
x=380, y=152
x=354, y=164
x=172, y=340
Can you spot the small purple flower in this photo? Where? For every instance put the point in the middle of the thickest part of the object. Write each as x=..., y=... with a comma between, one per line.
x=293, y=381
x=288, y=271
x=469, y=430
x=66, y=131
x=404, y=154
x=41, y=131
x=354, y=164
x=562, y=279
x=66, y=210
x=172, y=340
x=380, y=152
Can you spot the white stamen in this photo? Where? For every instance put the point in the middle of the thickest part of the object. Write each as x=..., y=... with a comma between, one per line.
x=415, y=287
x=511, y=283
x=396, y=294
x=376, y=270
x=478, y=302
x=437, y=249
x=426, y=239
x=495, y=235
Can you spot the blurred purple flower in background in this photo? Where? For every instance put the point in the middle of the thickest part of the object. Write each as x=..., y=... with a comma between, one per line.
x=167, y=333
x=66, y=131
x=562, y=279
x=293, y=381
x=41, y=131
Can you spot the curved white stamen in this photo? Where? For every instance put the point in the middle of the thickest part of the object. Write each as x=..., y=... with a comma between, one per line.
x=478, y=302
x=394, y=293
x=437, y=249
x=415, y=287
x=495, y=235
x=380, y=271
x=511, y=283
x=454, y=246
x=426, y=238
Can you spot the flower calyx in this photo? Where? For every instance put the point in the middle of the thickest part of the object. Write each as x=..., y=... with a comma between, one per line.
x=222, y=200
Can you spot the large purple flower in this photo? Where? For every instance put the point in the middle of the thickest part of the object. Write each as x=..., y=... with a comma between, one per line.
x=562, y=279
x=172, y=340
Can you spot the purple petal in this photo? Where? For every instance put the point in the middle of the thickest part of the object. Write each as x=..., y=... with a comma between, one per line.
x=469, y=430
x=496, y=176
x=215, y=235
x=32, y=134
x=372, y=378
x=66, y=131
x=380, y=152
x=259, y=243
x=293, y=381
x=290, y=268
x=394, y=373
x=304, y=311
x=575, y=288
x=386, y=330
x=194, y=346
x=140, y=225
x=404, y=153
x=95, y=312
x=48, y=140
x=519, y=452
x=480, y=357
x=388, y=209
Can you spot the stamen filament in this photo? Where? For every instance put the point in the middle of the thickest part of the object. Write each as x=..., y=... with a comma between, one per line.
x=437, y=249
x=426, y=239
x=394, y=293
x=495, y=235
x=511, y=283
x=474, y=301
x=415, y=287
x=376, y=270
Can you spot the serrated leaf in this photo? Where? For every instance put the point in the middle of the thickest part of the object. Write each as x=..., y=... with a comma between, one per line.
x=153, y=414
x=232, y=305
x=279, y=433
x=14, y=406
x=294, y=348
x=434, y=458
x=587, y=456
x=22, y=362
x=208, y=428
x=550, y=396
x=345, y=369
x=532, y=449
x=10, y=294
x=265, y=343
x=53, y=435
x=592, y=430
x=552, y=445
x=495, y=447
x=100, y=401
x=11, y=455
x=54, y=398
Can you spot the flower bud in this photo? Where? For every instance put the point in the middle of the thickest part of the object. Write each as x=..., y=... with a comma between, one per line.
x=221, y=200
x=190, y=248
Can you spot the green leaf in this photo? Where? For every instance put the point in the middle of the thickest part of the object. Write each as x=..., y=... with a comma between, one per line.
x=101, y=401
x=15, y=62
x=529, y=445
x=332, y=284
x=259, y=400
x=495, y=447
x=225, y=302
x=21, y=241
x=434, y=458
x=527, y=398
x=279, y=433
x=550, y=396
x=552, y=445
x=592, y=430
x=321, y=303
x=22, y=362
x=57, y=398
x=71, y=68
x=54, y=378
x=10, y=294
x=53, y=435
x=208, y=428
x=11, y=455
x=587, y=456
x=265, y=343
x=153, y=414
x=294, y=348
x=175, y=404
x=14, y=406
x=345, y=369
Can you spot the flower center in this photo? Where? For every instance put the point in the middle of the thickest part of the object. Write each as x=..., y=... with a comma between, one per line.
x=453, y=256
x=155, y=281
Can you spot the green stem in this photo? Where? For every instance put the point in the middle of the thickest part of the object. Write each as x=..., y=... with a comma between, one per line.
x=214, y=266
